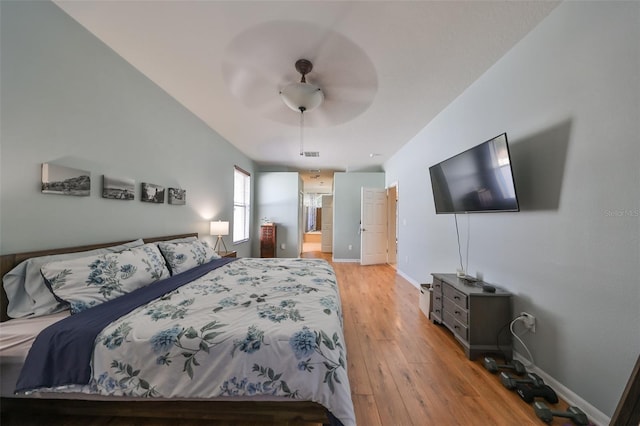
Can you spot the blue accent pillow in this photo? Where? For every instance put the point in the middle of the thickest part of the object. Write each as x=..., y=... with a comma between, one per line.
x=89, y=281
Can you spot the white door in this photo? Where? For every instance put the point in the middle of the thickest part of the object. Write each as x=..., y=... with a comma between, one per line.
x=373, y=226
x=327, y=224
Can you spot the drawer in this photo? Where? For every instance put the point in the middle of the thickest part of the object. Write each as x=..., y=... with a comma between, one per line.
x=455, y=326
x=437, y=301
x=436, y=314
x=456, y=311
x=437, y=286
x=458, y=297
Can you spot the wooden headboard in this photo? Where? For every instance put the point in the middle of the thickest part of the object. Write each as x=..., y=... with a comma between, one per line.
x=9, y=261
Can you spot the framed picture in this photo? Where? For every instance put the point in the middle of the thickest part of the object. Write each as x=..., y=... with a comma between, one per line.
x=65, y=180
x=152, y=193
x=177, y=196
x=118, y=188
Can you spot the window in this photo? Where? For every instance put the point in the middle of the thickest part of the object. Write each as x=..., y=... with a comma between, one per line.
x=241, y=204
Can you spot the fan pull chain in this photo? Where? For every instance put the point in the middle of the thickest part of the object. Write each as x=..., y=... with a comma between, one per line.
x=302, y=131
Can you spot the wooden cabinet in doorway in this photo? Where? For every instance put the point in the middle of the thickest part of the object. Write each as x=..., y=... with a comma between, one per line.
x=268, y=240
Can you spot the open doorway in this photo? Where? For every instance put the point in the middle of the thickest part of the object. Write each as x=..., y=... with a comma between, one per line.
x=314, y=228
x=312, y=222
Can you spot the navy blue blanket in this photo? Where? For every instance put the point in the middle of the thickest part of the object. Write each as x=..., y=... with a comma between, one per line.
x=61, y=354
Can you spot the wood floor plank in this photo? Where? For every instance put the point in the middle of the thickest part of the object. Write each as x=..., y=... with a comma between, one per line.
x=366, y=410
x=391, y=407
x=422, y=407
x=358, y=374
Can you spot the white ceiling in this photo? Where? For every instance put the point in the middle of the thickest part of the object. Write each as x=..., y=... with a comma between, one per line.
x=387, y=67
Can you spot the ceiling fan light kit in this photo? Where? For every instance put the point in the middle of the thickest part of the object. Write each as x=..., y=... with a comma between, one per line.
x=302, y=96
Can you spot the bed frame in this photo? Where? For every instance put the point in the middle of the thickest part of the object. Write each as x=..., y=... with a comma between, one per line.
x=289, y=412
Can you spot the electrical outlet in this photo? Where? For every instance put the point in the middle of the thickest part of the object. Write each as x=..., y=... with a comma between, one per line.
x=350, y=247
x=529, y=321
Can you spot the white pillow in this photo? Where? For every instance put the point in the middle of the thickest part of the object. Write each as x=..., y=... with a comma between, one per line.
x=89, y=281
x=26, y=289
x=184, y=256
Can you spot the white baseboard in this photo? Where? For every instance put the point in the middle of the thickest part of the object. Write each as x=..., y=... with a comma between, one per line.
x=596, y=416
x=345, y=260
x=408, y=278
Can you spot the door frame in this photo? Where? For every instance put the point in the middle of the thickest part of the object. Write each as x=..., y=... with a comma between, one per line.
x=392, y=223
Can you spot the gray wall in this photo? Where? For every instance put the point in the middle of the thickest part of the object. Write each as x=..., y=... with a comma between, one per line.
x=568, y=96
x=346, y=211
x=69, y=100
x=277, y=200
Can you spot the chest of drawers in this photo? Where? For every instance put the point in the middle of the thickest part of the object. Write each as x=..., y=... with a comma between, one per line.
x=478, y=320
x=268, y=240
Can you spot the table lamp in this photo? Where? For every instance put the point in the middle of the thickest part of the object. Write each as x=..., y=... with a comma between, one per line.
x=219, y=228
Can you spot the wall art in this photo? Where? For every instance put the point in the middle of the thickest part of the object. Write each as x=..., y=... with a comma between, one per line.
x=177, y=196
x=65, y=180
x=116, y=188
x=152, y=193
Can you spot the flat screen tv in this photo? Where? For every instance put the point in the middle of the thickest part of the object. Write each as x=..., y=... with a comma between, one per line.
x=479, y=180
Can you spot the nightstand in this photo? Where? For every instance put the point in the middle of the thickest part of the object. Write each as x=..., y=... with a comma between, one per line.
x=228, y=253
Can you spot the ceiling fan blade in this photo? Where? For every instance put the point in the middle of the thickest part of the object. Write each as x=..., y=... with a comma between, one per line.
x=334, y=113
x=349, y=94
x=275, y=108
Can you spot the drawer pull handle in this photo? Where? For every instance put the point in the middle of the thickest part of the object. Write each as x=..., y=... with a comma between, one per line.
x=456, y=297
x=457, y=312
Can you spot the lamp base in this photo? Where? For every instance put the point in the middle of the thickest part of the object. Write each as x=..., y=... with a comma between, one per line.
x=217, y=247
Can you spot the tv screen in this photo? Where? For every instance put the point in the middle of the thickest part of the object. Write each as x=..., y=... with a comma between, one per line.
x=479, y=179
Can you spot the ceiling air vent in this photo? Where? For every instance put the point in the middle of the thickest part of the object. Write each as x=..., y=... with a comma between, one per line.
x=311, y=154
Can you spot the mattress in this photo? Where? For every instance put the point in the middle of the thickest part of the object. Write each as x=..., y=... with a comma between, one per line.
x=16, y=338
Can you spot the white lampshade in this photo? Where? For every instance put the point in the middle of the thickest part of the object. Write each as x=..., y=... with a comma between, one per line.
x=219, y=228
x=302, y=95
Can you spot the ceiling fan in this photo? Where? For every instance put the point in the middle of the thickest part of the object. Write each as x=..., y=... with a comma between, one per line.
x=256, y=70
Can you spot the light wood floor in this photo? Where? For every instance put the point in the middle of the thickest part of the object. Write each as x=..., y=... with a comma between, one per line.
x=403, y=369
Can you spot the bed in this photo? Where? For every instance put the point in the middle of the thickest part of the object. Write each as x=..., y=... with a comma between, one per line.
x=225, y=339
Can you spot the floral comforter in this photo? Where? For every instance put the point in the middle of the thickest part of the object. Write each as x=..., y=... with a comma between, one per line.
x=251, y=327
